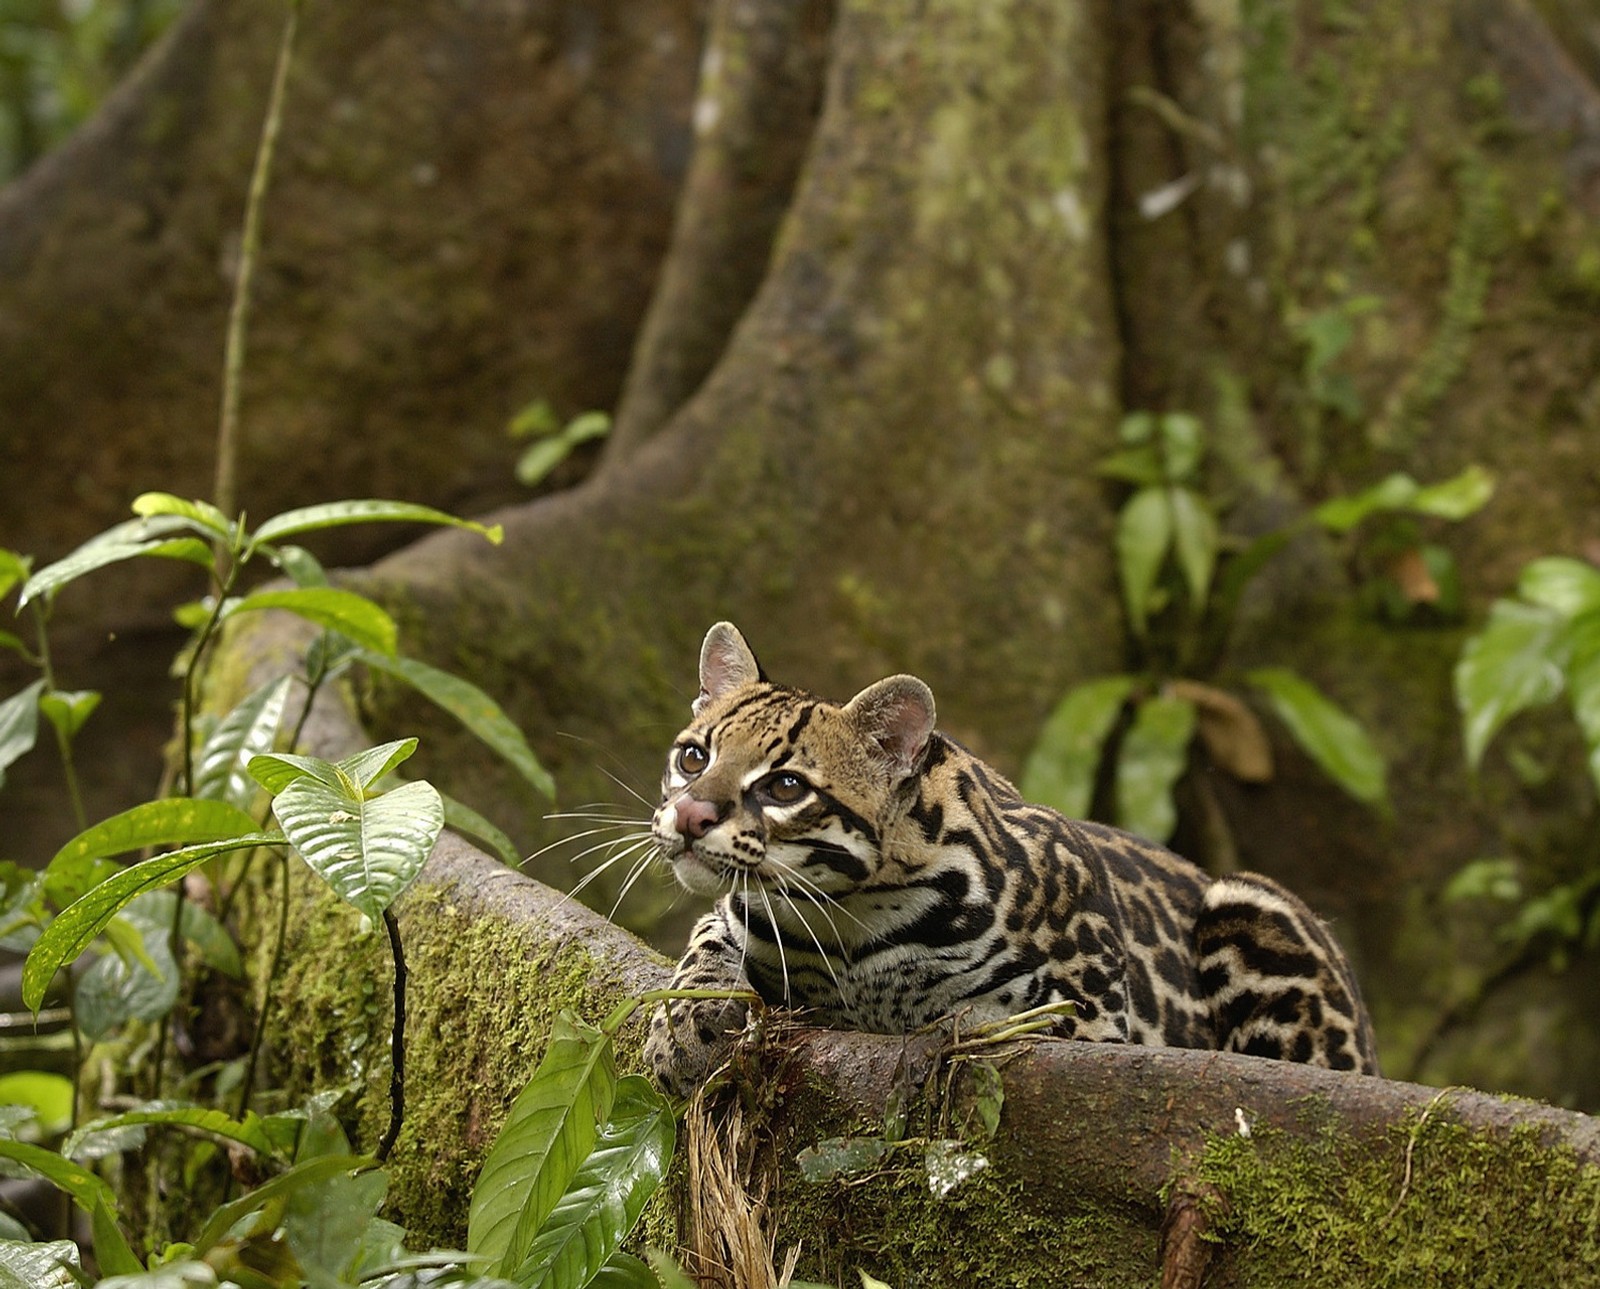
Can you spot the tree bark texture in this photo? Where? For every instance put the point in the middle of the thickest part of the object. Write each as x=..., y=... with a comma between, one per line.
x=1007, y=225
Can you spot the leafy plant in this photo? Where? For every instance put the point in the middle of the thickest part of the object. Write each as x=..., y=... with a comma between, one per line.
x=1182, y=579
x=553, y=442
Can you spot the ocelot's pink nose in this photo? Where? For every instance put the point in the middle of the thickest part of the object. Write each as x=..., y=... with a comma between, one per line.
x=696, y=817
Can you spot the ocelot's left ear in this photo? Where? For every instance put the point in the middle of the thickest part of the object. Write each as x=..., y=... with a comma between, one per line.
x=897, y=715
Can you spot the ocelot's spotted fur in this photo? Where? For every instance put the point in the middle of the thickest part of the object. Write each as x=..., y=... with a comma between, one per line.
x=877, y=874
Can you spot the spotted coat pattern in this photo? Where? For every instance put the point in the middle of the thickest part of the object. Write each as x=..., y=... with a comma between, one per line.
x=876, y=874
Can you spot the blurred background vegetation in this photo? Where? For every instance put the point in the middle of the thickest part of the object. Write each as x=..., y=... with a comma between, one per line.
x=58, y=60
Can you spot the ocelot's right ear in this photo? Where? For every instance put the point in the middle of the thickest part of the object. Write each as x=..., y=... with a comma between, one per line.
x=726, y=664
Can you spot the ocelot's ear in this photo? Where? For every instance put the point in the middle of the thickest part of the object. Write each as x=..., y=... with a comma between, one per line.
x=726, y=663
x=897, y=715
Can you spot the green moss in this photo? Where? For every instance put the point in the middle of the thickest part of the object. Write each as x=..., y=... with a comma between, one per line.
x=481, y=997
x=1429, y=1202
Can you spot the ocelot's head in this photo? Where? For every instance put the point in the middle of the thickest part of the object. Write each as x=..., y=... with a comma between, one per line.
x=770, y=785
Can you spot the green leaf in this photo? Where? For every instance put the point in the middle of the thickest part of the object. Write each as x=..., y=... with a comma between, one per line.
x=111, y=1248
x=1182, y=445
x=1144, y=535
x=99, y=552
x=607, y=1193
x=1060, y=771
x=67, y=710
x=536, y=420
x=988, y=1095
x=1333, y=738
x=1140, y=466
x=367, y=767
x=49, y=1096
x=73, y=931
x=24, y=1265
x=342, y=611
x=549, y=1131
x=1485, y=879
x=1569, y=586
x=205, y=517
x=1514, y=663
x=1583, y=683
x=463, y=819
x=308, y=1173
x=368, y=850
x=325, y=1222
x=334, y=514
x=540, y=459
x=481, y=715
x=222, y=768
x=1455, y=498
x=13, y=569
x=19, y=725
x=173, y=821
x=76, y=1180
x=198, y=1119
x=840, y=1156
x=142, y=985
x=1195, y=539
x=624, y=1271
x=300, y=565
x=14, y=643
x=275, y=771
x=1150, y=762
x=669, y=1273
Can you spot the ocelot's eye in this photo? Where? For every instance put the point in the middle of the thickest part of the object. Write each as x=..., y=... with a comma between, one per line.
x=692, y=758
x=785, y=788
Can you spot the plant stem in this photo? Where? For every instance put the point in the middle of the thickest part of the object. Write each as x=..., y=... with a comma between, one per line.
x=397, y=1047
x=225, y=488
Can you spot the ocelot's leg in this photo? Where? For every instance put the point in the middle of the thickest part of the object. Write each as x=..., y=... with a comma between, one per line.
x=1277, y=982
x=689, y=1038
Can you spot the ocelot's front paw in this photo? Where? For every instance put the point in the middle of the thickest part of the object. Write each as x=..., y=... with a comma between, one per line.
x=690, y=1038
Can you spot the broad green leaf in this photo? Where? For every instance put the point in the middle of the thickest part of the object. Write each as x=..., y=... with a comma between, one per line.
x=111, y=1248
x=1454, y=498
x=325, y=1222
x=1485, y=879
x=1583, y=683
x=1569, y=586
x=1195, y=540
x=222, y=768
x=670, y=1274
x=308, y=1173
x=1150, y=762
x=624, y=1271
x=76, y=1180
x=1514, y=663
x=1060, y=771
x=73, y=931
x=549, y=1131
x=275, y=771
x=367, y=767
x=247, y=1132
x=1341, y=514
x=481, y=715
x=1144, y=536
x=540, y=459
x=12, y=642
x=205, y=517
x=342, y=611
x=209, y=937
x=173, y=821
x=49, y=1096
x=97, y=554
x=367, y=850
x=334, y=514
x=1333, y=738
x=19, y=725
x=607, y=1193
x=463, y=819
x=67, y=710
x=25, y=1265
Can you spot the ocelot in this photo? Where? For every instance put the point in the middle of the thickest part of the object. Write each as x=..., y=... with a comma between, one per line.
x=876, y=874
